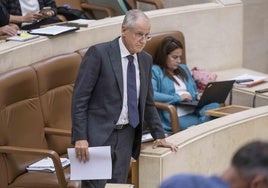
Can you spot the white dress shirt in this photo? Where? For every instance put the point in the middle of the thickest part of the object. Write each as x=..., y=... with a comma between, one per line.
x=29, y=6
x=123, y=118
x=181, y=89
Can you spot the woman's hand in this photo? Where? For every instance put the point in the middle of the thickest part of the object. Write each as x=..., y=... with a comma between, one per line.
x=199, y=96
x=186, y=97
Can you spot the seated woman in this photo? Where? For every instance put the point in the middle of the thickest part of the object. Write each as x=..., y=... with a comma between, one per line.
x=5, y=27
x=172, y=82
x=31, y=14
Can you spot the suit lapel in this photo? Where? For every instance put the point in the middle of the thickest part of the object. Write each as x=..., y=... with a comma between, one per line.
x=115, y=57
x=142, y=67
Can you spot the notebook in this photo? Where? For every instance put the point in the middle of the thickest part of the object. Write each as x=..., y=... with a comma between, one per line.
x=214, y=92
x=47, y=165
x=22, y=37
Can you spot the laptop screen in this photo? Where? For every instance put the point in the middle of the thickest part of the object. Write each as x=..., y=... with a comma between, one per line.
x=214, y=92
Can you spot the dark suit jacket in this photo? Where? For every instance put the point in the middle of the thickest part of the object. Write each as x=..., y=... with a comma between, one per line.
x=4, y=16
x=98, y=96
x=13, y=6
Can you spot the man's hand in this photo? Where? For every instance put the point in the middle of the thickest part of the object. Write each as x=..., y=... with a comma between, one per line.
x=31, y=17
x=47, y=13
x=81, y=150
x=164, y=143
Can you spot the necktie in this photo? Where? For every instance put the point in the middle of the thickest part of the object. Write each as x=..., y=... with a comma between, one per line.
x=133, y=113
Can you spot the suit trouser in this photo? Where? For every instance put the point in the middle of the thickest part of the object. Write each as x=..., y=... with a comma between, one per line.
x=121, y=142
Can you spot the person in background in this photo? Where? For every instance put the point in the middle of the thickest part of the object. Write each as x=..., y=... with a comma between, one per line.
x=248, y=169
x=31, y=14
x=172, y=82
x=113, y=97
x=5, y=27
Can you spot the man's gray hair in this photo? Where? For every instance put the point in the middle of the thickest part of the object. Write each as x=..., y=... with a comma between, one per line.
x=132, y=16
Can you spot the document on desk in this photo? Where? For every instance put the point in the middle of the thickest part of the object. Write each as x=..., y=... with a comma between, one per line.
x=99, y=165
x=53, y=30
x=252, y=80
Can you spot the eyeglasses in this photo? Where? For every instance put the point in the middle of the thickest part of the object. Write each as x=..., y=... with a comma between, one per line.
x=141, y=36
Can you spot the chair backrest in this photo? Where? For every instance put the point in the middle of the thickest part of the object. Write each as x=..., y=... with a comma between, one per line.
x=122, y=5
x=91, y=10
x=3, y=176
x=131, y=3
x=118, y=5
x=157, y=3
x=152, y=45
x=56, y=77
x=73, y=4
x=21, y=121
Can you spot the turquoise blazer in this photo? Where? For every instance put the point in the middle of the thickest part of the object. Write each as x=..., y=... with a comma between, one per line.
x=164, y=91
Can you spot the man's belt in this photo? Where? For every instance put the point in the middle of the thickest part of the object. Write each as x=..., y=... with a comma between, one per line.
x=120, y=126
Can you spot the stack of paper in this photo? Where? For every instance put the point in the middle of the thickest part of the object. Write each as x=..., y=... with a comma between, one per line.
x=246, y=80
x=99, y=165
x=146, y=137
x=47, y=165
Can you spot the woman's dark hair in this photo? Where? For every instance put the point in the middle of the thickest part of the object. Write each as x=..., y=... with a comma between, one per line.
x=168, y=45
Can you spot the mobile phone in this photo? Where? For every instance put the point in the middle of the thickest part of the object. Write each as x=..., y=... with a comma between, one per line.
x=44, y=10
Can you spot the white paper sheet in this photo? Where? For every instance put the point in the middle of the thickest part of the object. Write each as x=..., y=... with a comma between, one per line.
x=99, y=165
x=82, y=21
x=146, y=137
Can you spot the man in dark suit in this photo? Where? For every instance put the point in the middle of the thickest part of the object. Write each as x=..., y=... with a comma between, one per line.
x=4, y=16
x=101, y=110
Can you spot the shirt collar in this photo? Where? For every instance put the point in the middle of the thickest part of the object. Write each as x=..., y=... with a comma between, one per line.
x=124, y=51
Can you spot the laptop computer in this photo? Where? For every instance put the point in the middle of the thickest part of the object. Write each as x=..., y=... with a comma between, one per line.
x=214, y=92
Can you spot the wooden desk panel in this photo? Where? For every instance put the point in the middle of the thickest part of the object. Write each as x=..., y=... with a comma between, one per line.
x=226, y=110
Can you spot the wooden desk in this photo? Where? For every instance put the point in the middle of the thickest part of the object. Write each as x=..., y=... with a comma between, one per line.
x=4, y=37
x=226, y=110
